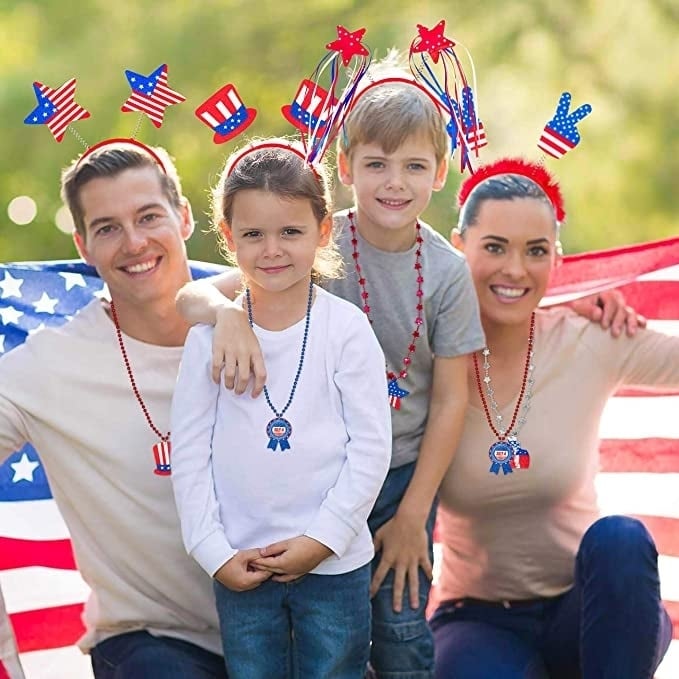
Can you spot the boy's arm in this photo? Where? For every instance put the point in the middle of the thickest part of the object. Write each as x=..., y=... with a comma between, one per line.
x=403, y=539
x=610, y=310
x=235, y=349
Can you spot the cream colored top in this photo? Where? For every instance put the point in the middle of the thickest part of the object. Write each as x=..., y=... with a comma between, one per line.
x=515, y=536
x=67, y=392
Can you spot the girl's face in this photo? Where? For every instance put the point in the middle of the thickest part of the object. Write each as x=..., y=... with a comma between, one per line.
x=510, y=250
x=275, y=239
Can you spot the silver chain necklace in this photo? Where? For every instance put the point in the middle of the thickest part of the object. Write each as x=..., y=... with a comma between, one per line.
x=493, y=403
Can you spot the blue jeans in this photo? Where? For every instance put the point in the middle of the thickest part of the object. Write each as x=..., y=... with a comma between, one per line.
x=402, y=643
x=316, y=626
x=140, y=655
x=610, y=625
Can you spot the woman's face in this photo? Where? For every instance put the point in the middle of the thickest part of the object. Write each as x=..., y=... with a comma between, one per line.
x=510, y=249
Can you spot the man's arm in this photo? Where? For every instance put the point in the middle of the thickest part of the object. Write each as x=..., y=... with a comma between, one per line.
x=403, y=539
x=235, y=349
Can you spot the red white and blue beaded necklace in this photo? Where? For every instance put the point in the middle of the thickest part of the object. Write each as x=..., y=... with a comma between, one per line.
x=394, y=390
x=279, y=428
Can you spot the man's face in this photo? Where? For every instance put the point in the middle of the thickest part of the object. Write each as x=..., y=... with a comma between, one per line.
x=134, y=236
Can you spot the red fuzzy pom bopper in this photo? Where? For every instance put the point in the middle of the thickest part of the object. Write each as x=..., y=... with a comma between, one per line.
x=532, y=171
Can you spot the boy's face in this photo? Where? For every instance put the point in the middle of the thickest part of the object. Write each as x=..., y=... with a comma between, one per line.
x=134, y=236
x=392, y=189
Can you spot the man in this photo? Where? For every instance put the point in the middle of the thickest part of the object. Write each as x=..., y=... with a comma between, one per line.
x=93, y=396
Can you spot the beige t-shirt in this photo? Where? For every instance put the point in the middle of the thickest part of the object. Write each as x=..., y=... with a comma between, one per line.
x=67, y=392
x=515, y=536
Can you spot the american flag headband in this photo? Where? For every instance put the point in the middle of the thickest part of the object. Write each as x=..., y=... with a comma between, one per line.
x=317, y=110
x=150, y=96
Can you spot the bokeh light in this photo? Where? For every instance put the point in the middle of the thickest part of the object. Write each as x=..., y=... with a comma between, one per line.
x=63, y=220
x=22, y=210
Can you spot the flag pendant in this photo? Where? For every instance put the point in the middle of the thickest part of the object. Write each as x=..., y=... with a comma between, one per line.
x=161, y=455
x=395, y=394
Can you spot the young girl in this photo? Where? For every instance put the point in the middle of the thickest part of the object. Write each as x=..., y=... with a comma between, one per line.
x=274, y=492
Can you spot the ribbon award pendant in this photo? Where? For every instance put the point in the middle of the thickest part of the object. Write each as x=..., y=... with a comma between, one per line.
x=501, y=455
x=278, y=431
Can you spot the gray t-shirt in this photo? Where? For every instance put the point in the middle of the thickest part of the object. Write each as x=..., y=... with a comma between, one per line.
x=451, y=327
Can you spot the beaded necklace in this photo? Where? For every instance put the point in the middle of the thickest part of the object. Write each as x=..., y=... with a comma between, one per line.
x=279, y=429
x=161, y=450
x=394, y=391
x=506, y=453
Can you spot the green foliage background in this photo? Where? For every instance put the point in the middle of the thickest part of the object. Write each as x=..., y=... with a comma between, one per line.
x=621, y=183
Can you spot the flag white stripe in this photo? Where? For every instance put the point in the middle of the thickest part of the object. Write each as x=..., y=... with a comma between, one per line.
x=669, y=577
x=639, y=493
x=38, y=518
x=56, y=664
x=637, y=417
x=48, y=587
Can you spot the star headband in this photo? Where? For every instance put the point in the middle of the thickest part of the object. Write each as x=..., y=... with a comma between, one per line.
x=531, y=170
x=150, y=96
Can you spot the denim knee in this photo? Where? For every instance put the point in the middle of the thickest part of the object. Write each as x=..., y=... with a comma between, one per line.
x=402, y=643
x=618, y=536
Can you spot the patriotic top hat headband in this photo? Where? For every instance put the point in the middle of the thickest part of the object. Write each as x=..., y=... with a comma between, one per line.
x=150, y=96
x=317, y=110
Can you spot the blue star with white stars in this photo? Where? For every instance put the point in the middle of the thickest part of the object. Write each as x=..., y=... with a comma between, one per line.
x=43, y=112
x=142, y=83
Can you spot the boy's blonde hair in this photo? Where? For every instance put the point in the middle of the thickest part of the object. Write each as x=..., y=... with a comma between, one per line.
x=388, y=113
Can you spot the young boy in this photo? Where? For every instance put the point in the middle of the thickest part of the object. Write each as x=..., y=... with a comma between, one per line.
x=417, y=292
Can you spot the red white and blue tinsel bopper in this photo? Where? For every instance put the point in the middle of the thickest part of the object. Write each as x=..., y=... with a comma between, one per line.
x=56, y=108
x=151, y=94
x=323, y=100
x=226, y=114
x=431, y=52
x=561, y=133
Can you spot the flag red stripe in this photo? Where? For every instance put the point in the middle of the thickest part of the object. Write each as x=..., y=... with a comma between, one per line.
x=612, y=267
x=673, y=609
x=48, y=553
x=3, y=672
x=652, y=455
x=665, y=532
x=48, y=628
x=654, y=299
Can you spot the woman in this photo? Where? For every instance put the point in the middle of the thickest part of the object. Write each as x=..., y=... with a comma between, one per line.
x=534, y=584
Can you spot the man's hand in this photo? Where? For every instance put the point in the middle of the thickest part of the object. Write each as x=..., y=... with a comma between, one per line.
x=610, y=310
x=405, y=549
x=290, y=559
x=238, y=575
x=236, y=352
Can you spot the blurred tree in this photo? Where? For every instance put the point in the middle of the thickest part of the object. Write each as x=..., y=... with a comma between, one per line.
x=620, y=183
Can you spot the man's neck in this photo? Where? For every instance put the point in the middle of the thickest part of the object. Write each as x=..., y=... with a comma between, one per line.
x=157, y=323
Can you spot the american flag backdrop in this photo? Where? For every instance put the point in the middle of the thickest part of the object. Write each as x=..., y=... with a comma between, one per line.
x=43, y=592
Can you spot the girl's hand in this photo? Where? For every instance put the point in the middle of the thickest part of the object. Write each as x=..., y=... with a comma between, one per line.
x=404, y=545
x=290, y=559
x=238, y=574
x=236, y=352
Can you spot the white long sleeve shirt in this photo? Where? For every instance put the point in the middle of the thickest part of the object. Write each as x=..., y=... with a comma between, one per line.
x=233, y=492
